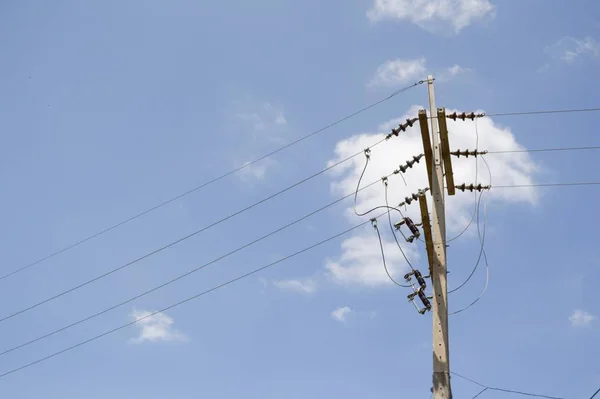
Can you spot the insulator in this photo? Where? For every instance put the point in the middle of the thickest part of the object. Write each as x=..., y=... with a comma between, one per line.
x=415, y=196
x=424, y=299
x=467, y=153
x=420, y=279
x=472, y=187
x=413, y=229
x=463, y=116
x=402, y=127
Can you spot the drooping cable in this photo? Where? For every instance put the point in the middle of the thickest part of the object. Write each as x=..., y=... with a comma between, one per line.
x=486, y=387
x=383, y=258
x=394, y=230
x=203, y=185
x=229, y=282
x=182, y=276
x=481, y=237
x=475, y=194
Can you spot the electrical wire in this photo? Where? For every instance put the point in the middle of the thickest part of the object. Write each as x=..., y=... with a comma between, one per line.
x=487, y=268
x=393, y=230
x=383, y=258
x=475, y=196
x=207, y=183
x=229, y=282
x=594, y=395
x=547, y=149
x=203, y=266
x=481, y=239
x=154, y=252
x=592, y=183
x=486, y=387
x=543, y=112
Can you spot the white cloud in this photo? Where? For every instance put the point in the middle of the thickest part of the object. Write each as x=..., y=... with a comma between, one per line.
x=266, y=120
x=360, y=261
x=341, y=314
x=581, y=318
x=307, y=286
x=398, y=72
x=395, y=72
x=158, y=327
x=430, y=14
x=569, y=49
x=256, y=171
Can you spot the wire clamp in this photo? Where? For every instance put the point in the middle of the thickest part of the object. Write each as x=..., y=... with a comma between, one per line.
x=374, y=223
x=367, y=152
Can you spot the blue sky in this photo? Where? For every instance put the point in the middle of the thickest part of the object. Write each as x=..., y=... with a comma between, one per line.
x=112, y=107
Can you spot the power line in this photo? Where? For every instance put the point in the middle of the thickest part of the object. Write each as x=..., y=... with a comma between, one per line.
x=306, y=249
x=544, y=112
x=154, y=252
x=203, y=266
x=547, y=149
x=549, y=185
x=205, y=184
x=486, y=387
x=594, y=395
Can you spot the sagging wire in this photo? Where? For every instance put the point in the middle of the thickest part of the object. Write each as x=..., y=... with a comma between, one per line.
x=475, y=202
x=374, y=223
x=367, y=152
x=486, y=388
x=482, y=252
x=387, y=204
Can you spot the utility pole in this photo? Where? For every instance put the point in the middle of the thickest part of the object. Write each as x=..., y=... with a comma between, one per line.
x=441, y=358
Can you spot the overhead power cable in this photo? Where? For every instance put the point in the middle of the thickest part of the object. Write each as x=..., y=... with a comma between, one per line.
x=547, y=149
x=229, y=282
x=489, y=388
x=544, y=112
x=154, y=252
x=591, y=183
x=596, y=393
x=203, y=185
x=187, y=274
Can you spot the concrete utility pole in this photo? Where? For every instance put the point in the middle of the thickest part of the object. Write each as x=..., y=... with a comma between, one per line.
x=441, y=358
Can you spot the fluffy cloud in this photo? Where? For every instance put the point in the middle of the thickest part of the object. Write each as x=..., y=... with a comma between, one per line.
x=256, y=171
x=307, y=286
x=569, y=49
x=581, y=318
x=396, y=72
x=399, y=72
x=360, y=261
x=266, y=120
x=158, y=327
x=341, y=314
x=429, y=14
